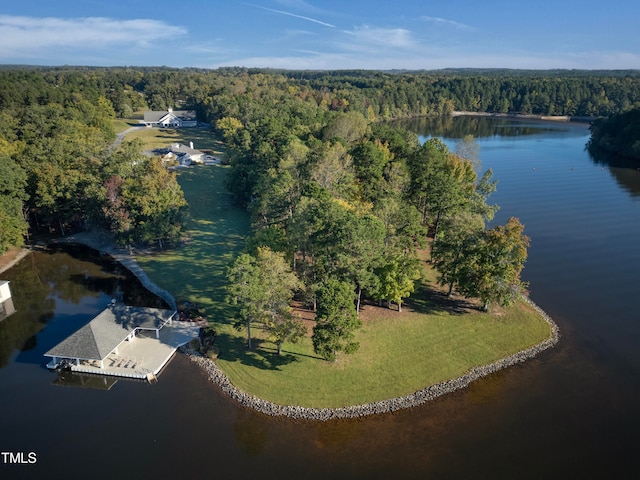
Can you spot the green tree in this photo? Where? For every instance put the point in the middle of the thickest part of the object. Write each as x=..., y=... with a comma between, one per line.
x=155, y=203
x=370, y=159
x=336, y=320
x=275, y=197
x=350, y=127
x=493, y=275
x=13, y=226
x=397, y=279
x=245, y=290
x=263, y=287
x=333, y=170
x=441, y=183
x=228, y=126
x=279, y=284
x=454, y=249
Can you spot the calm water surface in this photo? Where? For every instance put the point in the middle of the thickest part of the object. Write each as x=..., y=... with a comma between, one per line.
x=570, y=413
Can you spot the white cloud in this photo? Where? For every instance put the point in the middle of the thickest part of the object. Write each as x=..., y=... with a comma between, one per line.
x=446, y=22
x=438, y=58
x=376, y=38
x=31, y=36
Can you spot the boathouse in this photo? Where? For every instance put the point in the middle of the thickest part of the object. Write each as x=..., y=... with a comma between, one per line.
x=6, y=302
x=106, y=335
x=5, y=291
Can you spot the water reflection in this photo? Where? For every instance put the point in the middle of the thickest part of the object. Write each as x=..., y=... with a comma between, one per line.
x=477, y=126
x=68, y=284
x=624, y=170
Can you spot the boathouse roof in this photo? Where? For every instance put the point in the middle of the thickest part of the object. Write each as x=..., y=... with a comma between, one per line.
x=98, y=338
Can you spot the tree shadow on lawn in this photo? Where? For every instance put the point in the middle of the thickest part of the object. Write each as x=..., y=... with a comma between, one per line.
x=234, y=349
x=428, y=300
x=202, y=138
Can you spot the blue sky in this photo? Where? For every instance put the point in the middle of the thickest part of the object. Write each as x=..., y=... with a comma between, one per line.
x=314, y=34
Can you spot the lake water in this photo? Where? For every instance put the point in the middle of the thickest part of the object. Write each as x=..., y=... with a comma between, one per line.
x=572, y=412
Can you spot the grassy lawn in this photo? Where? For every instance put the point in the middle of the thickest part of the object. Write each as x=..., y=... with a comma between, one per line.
x=216, y=230
x=399, y=354
x=202, y=138
x=432, y=340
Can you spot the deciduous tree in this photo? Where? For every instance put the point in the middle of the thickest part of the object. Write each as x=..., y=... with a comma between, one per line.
x=493, y=274
x=263, y=287
x=13, y=226
x=336, y=320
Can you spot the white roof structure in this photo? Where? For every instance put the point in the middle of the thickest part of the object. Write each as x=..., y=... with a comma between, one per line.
x=5, y=291
x=170, y=118
x=102, y=335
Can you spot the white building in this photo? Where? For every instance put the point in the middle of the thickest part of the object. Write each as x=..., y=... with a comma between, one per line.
x=5, y=292
x=6, y=302
x=170, y=118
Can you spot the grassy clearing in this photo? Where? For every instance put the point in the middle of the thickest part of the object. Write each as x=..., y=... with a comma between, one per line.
x=203, y=139
x=121, y=124
x=432, y=340
x=399, y=354
x=216, y=231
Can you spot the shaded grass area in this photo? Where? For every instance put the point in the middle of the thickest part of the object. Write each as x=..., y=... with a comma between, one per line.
x=215, y=233
x=399, y=353
x=195, y=272
x=432, y=340
x=121, y=124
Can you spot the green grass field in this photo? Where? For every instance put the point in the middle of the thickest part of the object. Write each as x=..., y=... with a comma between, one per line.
x=215, y=232
x=432, y=340
x=202, y=138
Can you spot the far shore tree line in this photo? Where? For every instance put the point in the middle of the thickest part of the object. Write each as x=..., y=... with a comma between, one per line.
x=341, y=203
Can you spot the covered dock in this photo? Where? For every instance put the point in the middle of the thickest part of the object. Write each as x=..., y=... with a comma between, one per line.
x=134, y=342
x=6, y=301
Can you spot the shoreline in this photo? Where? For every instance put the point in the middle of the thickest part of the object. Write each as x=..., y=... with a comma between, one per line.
x=23, y=253
x=217, y=376
x=105, y=245
x=521, y=116
x=427, y=394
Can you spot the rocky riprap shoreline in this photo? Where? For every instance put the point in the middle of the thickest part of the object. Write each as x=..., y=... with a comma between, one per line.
x=385, y=406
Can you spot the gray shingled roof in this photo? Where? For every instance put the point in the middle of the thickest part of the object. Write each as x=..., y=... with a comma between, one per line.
x=104, y=333
x=151, y=116
x=179, y=148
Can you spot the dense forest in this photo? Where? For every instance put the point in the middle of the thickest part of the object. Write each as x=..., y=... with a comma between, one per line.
x=619, y=134
x=341, y=203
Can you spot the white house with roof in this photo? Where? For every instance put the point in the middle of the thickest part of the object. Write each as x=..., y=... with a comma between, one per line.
x=170, y=118
x=184, y=155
